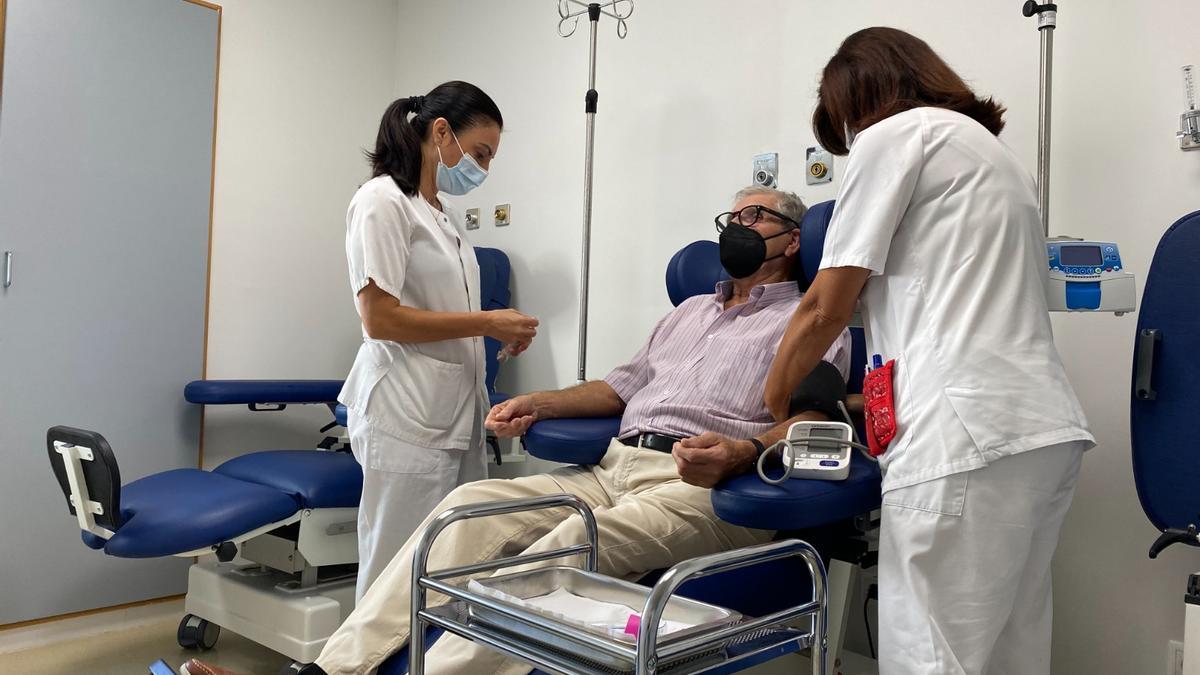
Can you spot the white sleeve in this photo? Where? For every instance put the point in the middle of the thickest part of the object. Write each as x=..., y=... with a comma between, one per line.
x=839, y=354
x=377, y=243
x=876, y=189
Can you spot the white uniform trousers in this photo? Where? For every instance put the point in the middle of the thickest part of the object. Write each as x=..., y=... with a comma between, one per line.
x=402, y=483
x=964, y=567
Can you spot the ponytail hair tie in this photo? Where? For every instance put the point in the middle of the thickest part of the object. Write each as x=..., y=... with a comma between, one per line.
x=415, y=103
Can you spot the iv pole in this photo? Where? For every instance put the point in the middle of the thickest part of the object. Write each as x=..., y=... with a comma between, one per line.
x=1047, y=20
x=612, y=8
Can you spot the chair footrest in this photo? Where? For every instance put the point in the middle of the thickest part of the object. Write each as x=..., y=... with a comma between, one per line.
x=187, y=509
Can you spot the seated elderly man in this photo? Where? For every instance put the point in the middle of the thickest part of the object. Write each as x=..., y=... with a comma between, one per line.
x=692, y=413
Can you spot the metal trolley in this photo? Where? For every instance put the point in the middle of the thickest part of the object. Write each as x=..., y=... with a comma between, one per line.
x=717, y=649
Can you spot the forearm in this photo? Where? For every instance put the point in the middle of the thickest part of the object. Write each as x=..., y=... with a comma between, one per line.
x=747, y=453
x=590, y=399
x=808, y=337
x=779, y=431
x=400, y=323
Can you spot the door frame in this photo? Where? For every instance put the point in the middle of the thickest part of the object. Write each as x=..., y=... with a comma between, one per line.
x=211, y=196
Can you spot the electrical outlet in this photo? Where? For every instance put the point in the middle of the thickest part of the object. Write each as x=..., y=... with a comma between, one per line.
x=1174, y=657
x=472, y=218
x=503, y=215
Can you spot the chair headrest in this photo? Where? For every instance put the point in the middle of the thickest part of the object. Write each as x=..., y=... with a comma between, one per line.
x=812, y=241
x=494, y=273
x=696, y=268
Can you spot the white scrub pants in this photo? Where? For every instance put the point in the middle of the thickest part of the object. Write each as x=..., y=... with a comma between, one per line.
x=402, y=483
x=964, y=567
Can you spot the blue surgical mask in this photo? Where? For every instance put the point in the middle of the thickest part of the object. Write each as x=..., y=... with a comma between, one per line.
x=462, y=177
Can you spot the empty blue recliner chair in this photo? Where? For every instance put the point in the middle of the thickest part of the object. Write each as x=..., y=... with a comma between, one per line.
x=1162, y=405
x=293, y=513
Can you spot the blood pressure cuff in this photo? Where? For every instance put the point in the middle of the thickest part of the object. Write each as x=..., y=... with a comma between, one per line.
x=821, y=391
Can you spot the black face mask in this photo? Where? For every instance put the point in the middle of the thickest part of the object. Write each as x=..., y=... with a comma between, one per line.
x=743, y=250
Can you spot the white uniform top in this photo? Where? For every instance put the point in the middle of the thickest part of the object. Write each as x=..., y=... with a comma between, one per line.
x=427, y=393
x=945, y=218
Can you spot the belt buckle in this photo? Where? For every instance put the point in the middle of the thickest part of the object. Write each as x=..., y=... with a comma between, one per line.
x=658, y=440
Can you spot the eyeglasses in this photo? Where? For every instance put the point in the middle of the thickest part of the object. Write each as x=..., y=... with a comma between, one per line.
x=749, y=216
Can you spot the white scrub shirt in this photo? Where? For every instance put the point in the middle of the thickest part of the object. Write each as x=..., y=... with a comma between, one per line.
x=429, y=393
x=944, y=216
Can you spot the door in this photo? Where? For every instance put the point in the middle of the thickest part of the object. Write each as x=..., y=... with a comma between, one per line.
x=106, y=159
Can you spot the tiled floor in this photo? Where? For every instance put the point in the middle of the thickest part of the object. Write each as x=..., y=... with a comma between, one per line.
x=132, y=649
x=76, y=647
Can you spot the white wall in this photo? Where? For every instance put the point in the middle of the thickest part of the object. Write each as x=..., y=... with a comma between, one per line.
x=302, y=87
x=699, y=87
x=1120, y=94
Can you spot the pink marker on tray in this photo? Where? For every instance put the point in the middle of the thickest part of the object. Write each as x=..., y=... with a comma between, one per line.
x=633, y=625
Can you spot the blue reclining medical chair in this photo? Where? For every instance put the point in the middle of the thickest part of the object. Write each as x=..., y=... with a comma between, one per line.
x=291, y=513
x=1163, y=405
x=831, y=515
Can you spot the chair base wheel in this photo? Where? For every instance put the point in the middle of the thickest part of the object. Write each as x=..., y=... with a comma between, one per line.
x=196, y=633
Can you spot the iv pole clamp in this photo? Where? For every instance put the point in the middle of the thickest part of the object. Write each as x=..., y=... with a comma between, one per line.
x=569, y=18
x=1047, y=15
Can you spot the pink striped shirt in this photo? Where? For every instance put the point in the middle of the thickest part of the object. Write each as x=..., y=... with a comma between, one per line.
x=705, y=367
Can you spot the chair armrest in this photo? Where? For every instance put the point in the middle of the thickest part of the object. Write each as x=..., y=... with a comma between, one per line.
x=262, y=392
x=798, y=503
x=571, y=441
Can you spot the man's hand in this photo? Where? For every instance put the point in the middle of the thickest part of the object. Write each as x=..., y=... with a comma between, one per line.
x=706, y=459
x=513, y=417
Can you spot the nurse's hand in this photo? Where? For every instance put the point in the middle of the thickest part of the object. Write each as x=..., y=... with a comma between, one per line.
x=510, y=326
x=511, y=418
x=707, y=459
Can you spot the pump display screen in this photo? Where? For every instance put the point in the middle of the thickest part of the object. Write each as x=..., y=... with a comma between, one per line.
x=1080, y=255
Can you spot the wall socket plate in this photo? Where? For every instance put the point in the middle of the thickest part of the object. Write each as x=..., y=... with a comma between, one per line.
x=503, y=215
x=766, y=170
x=471, y=216
x=818, y=166
x=1174, y=657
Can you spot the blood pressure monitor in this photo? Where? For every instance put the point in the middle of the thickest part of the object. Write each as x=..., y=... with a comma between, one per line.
x=813, y=450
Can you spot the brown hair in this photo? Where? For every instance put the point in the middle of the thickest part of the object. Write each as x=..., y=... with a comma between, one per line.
x=879, y=72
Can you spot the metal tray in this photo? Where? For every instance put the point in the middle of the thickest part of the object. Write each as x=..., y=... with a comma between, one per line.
x=537, y=582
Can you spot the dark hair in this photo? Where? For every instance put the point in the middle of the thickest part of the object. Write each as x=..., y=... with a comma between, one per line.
x=398, y=146
x=879, y=72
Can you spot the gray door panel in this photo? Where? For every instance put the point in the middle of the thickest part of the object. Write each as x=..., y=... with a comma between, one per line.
x=106, y=141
